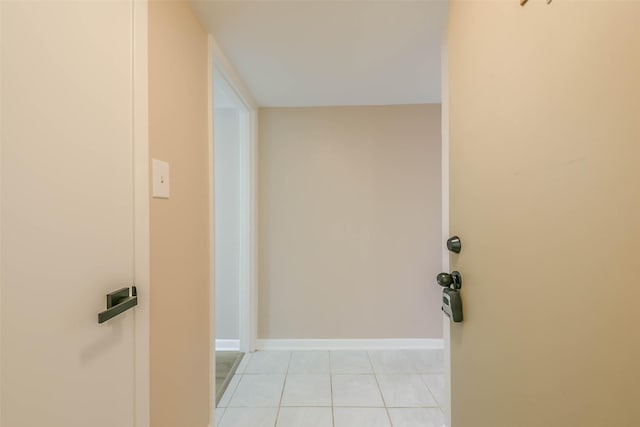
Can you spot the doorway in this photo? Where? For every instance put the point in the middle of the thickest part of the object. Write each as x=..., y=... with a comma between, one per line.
x=233, y=227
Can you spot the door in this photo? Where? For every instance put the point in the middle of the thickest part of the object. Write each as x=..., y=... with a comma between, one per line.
x=545, y=195
x=67, y=213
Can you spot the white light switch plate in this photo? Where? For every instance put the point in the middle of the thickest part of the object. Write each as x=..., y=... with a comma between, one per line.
x=160, y=179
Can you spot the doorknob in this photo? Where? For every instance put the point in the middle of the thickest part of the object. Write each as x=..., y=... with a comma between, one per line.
x=447, y=280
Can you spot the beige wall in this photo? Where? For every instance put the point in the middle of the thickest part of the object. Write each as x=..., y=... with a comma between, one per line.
x=178, y=132
x=350, y=222
x=545, y=194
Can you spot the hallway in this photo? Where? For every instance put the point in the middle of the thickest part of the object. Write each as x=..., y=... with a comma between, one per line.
x=379, y=388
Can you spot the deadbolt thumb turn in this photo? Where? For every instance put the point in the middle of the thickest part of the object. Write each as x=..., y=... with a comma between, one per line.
x=454, y=244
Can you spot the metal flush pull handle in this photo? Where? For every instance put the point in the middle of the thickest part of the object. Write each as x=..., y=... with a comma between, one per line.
x=118, y=302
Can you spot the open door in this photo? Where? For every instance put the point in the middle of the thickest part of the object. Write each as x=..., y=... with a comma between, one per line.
x=545, y=195
x=67, y=213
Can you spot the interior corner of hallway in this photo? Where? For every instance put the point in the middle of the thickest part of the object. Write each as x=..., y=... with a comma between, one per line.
x=544, y=107
x=180, y=255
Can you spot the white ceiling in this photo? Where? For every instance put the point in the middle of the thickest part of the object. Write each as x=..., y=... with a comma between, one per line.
x=314, y=53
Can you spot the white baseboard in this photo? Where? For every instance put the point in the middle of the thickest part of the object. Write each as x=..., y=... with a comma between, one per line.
x=228, y=345
x=350, y=344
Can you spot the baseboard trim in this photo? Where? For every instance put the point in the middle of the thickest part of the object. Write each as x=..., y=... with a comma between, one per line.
x=350, y=344
x=228, y=345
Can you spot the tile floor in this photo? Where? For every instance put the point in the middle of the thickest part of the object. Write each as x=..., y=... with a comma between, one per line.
x=399, y=388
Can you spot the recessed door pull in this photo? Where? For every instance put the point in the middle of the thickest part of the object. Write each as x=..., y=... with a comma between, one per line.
x=118, y=302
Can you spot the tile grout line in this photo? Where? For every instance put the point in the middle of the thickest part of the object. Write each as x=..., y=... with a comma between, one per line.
x=233, y=391
x=224, y=410
x=422, y=374
x=375, y=376
x=333, y=415
x=433, y=396
x=284, y=384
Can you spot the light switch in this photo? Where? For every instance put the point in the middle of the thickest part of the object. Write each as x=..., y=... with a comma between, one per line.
x=160, y=179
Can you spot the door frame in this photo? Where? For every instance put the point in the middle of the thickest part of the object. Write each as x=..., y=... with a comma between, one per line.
x=446, y=323
x=1, y=199
x=141, y=220
x=248, y=271
x=218, y=62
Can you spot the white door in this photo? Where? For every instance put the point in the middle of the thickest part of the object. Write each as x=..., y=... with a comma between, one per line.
x=67, y=213
x=545, y=194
